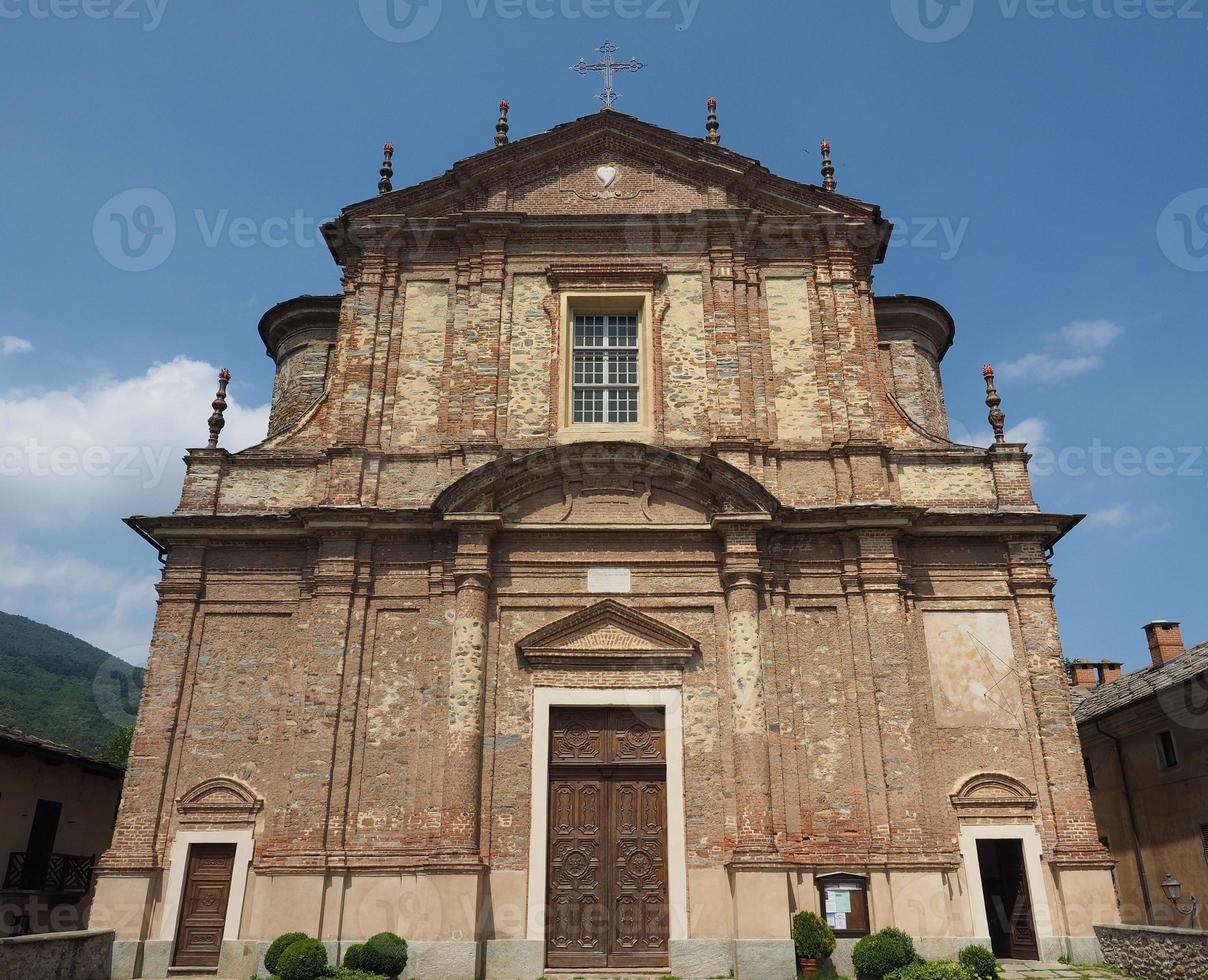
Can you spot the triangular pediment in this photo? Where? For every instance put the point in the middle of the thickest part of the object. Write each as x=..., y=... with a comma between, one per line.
x=607, y=633
x=563, y=161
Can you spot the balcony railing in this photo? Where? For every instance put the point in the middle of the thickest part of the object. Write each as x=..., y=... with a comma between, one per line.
x=59, y=873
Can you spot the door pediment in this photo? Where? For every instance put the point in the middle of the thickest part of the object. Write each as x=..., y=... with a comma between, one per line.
x=608, y=634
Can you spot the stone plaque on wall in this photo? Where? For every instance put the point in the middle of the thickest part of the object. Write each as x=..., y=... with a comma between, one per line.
x=974, y=682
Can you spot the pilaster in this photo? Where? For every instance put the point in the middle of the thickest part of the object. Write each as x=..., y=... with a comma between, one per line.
x=1070, y=818
x=742, y=578
x=462, y=797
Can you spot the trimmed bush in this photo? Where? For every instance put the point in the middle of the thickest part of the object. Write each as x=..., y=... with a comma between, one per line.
x=354, y=957
x=344, y=973
x=812, y=937
x=903, y=938
x=279, y=946
x=934, y=970
x=981, y=961
x=385, y=953
x=878, y=955
x=305, y=959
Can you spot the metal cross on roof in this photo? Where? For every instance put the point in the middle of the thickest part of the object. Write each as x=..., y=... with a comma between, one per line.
x=609, y=66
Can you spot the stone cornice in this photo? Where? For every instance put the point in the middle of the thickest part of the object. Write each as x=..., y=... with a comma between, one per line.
x=913, y=521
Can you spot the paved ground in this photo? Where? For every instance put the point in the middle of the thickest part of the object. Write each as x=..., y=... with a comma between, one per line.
x=1024, y=970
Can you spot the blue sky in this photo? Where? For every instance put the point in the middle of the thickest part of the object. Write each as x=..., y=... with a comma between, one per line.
x=1043, y=159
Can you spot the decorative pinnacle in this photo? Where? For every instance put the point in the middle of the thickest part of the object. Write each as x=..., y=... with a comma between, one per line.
x=219, y=405
x=997, y=419
x=387, y=171
x=501, y=127
x=713, y=126
x=828, y=168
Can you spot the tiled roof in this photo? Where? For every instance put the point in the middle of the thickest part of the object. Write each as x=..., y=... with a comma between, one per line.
x=1139, y=685
x=45, y=747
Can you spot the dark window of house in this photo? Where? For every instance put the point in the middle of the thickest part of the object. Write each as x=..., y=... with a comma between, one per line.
x=1168, y=758
x=1204, y=840
x=844, y=902
x=1090, y=771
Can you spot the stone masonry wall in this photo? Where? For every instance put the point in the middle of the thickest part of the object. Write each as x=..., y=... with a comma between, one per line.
x=1155, y=952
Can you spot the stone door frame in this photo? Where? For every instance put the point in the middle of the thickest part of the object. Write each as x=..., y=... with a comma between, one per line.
x=178, y=861
x=671, y=701
x=1029, y=839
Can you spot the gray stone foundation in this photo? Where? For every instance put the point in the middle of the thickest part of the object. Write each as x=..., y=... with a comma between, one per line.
x=83, y=955
x=765, y=959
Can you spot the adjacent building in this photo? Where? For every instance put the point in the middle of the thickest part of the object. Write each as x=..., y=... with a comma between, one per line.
x=1145, y=749
x=606, y=589
x=57, y=811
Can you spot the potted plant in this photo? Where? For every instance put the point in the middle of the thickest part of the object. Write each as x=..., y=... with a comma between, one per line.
x=813, y=940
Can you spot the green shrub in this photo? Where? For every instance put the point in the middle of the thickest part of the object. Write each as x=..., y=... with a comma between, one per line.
x=934, y=970
x=878, y=955
x=354, y=957
x=385, y=953
x=903, y=938
x=305, y=959
x=981, y=961
x=279, y=946
x=813, y=938
x=344, y=973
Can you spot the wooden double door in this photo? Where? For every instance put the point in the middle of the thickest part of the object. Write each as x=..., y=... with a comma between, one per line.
x=607, y=874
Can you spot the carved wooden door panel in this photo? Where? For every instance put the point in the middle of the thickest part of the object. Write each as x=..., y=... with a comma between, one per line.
x=607, y=898
x=203, y=904
x=1023, y=933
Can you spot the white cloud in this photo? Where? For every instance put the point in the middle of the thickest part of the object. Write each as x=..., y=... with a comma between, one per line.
x=14, y=345
x=1089, y=334
x=1075, y=349
x=110, y=610
x=110, y=447
x=85, y=456
x=1121, y=515
x=1034, y=431
x=1147, y=519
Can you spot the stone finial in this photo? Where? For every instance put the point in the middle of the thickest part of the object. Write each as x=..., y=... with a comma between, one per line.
x=712, y=125
x=501, y=127
x=997, y=419
x=828, y=168
x=217, y=421
x=387, y=171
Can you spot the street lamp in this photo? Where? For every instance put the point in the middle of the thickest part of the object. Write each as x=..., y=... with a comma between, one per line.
x=1174, y=891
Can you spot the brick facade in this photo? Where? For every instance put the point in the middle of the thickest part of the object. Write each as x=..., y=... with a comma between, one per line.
x=342, y=606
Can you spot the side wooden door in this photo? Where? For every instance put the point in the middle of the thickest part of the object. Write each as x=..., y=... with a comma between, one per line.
x=607, y=876
x=203, y=905
x=1023, y=932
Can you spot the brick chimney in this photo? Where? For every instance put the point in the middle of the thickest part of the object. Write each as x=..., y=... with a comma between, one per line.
x=1165, y=641
x=1083, y=674
x=1109, y=671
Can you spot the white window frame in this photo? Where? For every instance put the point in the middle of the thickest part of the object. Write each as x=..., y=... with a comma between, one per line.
x=637, y=303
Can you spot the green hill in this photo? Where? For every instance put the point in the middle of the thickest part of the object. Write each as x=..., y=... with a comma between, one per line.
x=60, y=688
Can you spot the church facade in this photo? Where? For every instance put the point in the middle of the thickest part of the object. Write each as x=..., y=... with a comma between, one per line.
x=606, y=589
